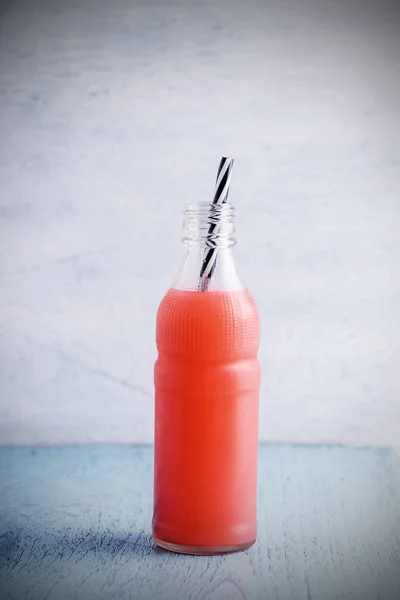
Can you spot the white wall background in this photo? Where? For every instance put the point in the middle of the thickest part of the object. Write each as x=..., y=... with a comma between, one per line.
x=113, y=115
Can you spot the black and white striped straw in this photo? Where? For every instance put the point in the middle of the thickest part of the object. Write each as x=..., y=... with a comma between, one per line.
x=220, y=197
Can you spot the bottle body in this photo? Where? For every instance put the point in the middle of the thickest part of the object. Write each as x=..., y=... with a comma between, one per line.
x=207, y=379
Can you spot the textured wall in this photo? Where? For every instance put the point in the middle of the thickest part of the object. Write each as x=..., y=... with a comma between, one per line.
x=112, y=116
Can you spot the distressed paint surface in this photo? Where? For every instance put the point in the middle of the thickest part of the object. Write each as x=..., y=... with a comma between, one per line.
x=114, y=113
x=75, y=523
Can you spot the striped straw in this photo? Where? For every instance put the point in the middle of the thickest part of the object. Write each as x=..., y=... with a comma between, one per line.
x=220, y=197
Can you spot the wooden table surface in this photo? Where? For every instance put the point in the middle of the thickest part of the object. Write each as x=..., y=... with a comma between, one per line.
x=75, y=523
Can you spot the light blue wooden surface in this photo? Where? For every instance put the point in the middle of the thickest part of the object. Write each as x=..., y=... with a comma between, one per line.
x=75, y=523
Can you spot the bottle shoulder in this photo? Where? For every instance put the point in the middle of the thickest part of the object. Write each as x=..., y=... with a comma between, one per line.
x=214, y=324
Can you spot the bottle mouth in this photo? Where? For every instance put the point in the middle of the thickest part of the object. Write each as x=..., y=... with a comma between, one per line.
x=208, y=224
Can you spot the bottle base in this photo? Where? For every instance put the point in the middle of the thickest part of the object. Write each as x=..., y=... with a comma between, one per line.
x=201, y=550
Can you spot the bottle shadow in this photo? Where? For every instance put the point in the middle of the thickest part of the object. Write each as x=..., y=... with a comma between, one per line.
x=19, y=547
x=113, y=544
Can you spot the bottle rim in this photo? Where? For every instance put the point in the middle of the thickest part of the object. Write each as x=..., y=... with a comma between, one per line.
x=208, y=209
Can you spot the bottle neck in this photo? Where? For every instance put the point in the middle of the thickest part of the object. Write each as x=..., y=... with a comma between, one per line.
x=209, y=225
x=208, y=240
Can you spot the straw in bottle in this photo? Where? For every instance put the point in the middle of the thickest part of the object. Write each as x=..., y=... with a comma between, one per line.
x=220, y=197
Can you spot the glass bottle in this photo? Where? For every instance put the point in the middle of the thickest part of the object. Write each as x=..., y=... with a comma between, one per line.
x=207, y=379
